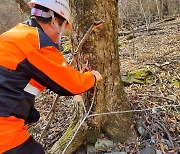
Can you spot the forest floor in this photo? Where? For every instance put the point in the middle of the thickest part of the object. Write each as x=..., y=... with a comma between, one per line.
x=159, y=51
x=153, y=131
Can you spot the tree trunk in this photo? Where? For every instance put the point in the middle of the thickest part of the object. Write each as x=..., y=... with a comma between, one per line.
x=23, y=5
x=165, y=8
x=101, y=50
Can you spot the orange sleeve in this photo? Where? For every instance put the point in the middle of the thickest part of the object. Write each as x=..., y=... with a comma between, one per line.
x=51, y=62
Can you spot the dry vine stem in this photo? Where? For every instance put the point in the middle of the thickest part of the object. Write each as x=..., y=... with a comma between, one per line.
x=95, y=25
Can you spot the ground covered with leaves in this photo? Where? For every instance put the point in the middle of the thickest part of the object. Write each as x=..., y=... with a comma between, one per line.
x=157, y=54
x=158, y=51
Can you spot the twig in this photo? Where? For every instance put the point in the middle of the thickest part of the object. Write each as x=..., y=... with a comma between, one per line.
x=156, y=96
x=76, y=53
x=158, y=65
x=51, y=118
x=53, y=107
x=166, y=131
x=158, y=9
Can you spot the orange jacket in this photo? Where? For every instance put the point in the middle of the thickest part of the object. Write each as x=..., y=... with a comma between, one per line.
x=13, y=132
x=25, y=45
x=29, y=62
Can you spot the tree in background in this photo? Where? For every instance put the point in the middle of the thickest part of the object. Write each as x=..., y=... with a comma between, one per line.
x=134, y=11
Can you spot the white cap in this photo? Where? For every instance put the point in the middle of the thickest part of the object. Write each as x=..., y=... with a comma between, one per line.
x=61, y=7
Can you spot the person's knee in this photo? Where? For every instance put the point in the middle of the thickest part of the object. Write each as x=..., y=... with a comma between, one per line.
x=34, y=147
x=38, y=149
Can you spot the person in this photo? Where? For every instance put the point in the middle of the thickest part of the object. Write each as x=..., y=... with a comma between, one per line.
x=30, y=61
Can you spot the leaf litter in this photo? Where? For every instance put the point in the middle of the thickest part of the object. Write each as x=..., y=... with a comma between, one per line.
x=156, y=131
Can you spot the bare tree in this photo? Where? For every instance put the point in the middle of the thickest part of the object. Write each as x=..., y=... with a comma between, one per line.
x=158, y=9
x=144, y=14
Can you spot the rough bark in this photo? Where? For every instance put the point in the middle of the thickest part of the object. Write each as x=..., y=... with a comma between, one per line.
x=23, y=5
x=101, y=50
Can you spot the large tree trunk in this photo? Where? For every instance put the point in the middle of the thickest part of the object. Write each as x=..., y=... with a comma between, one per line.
x=101, y=50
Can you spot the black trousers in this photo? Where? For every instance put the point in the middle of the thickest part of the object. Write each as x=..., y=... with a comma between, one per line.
x=30, y=146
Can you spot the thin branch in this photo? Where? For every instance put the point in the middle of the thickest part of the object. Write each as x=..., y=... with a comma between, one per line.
x=156, y=96
x=52, y=112
x=53, y=107
x=166, y=131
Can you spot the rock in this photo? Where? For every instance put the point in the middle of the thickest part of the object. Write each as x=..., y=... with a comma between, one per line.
x=140, y=76
x=105, y=145
x=158, y=152
x=148, y=150
x=140, y=128
x=91, y=149
x=117, y=152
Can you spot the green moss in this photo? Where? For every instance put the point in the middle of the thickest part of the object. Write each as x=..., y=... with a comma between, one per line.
x=176, y=83
x=140, y=76
x=66, y=47
x=121, y=44
x=92, y=135
x=140, y=73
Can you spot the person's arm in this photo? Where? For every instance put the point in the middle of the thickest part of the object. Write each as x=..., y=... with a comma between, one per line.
x=48, y=67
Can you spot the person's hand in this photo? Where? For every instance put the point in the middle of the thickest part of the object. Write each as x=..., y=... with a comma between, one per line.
x=85, y=68
x=97, y=75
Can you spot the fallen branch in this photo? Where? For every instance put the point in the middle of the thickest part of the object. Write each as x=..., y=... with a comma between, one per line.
x=156, y=96
x=52, y=112
x=166, y=131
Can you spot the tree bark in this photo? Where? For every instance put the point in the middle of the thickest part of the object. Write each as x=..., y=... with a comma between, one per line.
x=23, y=5
x=165, y=8
x=101, y=50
